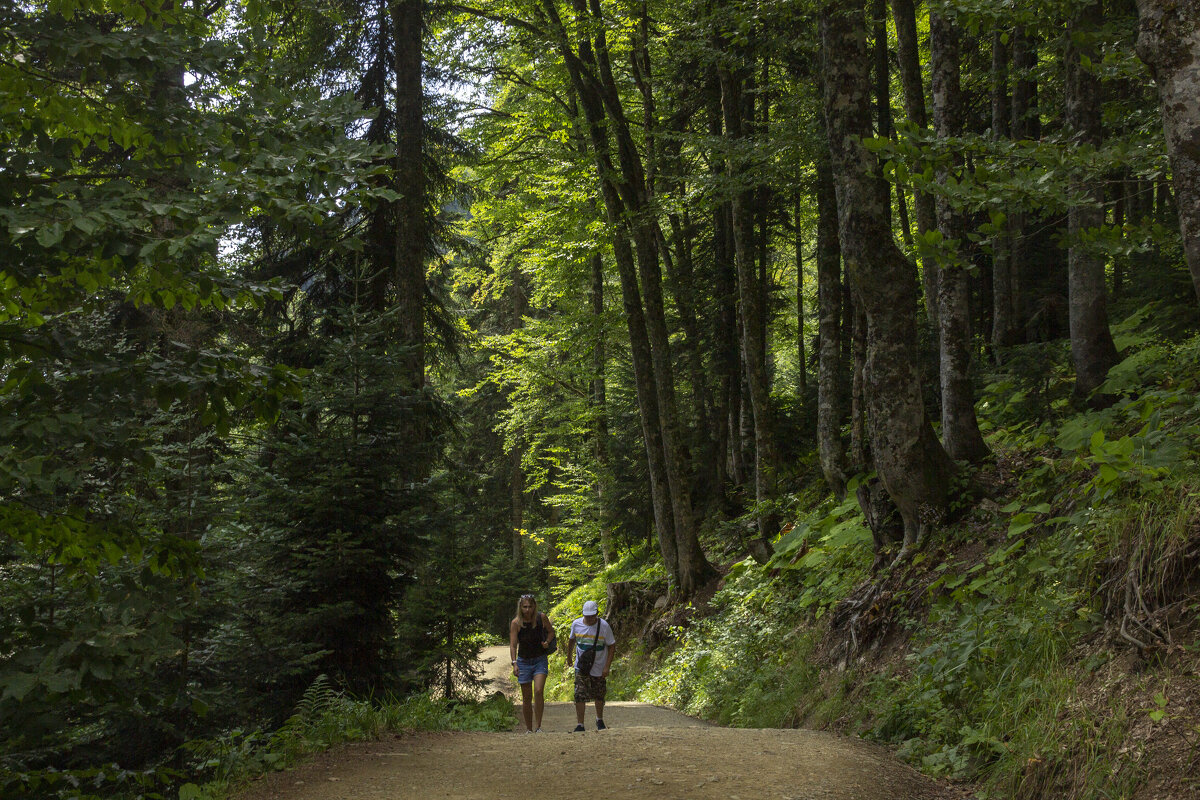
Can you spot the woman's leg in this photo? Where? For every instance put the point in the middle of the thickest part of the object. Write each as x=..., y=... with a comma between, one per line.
x=539, y=698
x=527, y=704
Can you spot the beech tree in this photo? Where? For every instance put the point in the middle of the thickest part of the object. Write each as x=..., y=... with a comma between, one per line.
x=913, y=466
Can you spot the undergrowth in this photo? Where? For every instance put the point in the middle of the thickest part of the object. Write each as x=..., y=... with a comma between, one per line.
x=326, y=717
x=998, y=666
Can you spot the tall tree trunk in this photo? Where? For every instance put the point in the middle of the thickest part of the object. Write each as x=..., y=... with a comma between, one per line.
x=1025, y=127
x=682, y=283
x=1092, y=349
x=960, y=429
x=517, y=507
x=1169, y=44
x=908, y=55
x=751, y=310
x=599, y=402
x=411, y=235
x=830, y=447
x=883, y=96
x=694, y=568
x=801, y=356
x=1003, y=308
x=914, y=468
x=626, y=205
x=725, y=291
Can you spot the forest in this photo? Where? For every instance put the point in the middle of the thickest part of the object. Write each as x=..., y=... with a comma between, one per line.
x=329, y=327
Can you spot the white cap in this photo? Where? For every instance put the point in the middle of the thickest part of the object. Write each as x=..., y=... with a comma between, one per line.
x=590, y=609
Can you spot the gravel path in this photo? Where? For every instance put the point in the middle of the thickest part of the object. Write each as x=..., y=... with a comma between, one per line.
x=647, y=752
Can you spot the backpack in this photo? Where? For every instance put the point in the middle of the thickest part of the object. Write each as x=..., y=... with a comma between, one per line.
x=587, y=658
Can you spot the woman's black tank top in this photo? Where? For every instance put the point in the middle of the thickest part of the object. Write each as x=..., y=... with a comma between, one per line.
x=530, y=638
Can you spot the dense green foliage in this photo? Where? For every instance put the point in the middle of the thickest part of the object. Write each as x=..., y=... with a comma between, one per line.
x=327, y=329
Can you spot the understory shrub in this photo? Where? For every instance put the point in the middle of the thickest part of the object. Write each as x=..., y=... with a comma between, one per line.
x=326, y=717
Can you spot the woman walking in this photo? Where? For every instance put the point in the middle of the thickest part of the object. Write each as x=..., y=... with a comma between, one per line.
x=530, y=641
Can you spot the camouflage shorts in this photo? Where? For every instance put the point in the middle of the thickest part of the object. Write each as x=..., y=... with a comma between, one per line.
x=588, y=687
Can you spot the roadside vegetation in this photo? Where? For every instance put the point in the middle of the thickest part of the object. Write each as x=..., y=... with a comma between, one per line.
x=1045, y=646
x=327, y=717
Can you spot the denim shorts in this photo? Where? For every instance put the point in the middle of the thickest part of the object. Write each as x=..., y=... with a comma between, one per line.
x=528, y=667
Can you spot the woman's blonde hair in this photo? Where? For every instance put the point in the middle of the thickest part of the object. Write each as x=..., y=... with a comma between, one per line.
x=534, y=619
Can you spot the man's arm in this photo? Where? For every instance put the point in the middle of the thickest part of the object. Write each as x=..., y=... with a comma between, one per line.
x=610, y=652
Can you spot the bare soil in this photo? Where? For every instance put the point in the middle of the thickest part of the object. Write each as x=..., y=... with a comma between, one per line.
x=647, y=752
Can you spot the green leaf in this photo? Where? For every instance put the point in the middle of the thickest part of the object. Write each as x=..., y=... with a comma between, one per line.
x=50, y=235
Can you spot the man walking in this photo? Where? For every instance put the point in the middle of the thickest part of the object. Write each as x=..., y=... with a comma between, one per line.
x=591, y=648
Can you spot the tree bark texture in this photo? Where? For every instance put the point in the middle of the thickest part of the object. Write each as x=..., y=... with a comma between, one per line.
x=910, y=461
x=960, y=429
x=1169, y=44
x=1092, y=349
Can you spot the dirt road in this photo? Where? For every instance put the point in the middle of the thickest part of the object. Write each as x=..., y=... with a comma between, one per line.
x=647, y=752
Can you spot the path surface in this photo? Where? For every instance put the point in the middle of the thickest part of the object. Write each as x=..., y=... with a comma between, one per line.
x=647, y=752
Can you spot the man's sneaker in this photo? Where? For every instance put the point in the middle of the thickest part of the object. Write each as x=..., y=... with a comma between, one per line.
x=579, y=728
x=600, y=725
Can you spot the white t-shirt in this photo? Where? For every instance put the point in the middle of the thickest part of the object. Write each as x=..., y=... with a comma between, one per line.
x=585, y=636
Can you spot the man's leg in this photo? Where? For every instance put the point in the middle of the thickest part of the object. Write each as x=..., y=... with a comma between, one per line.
x=580, y=700
x=600, y=693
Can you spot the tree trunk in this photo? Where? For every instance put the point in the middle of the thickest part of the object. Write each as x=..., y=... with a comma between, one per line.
x=914, y=468
x=600, y=413
x=801, y=356
x=1092, y=349
x=1025, y=127
x=960, y=429
x=908, y=55
x=682, y=283
x=830, y=447
x=626, y=198
x=751, y=310
x=883, y=97
x=1003, y=309
x=1169, y=44
x=694, y=568
x=725, y=290
x=411, y=235
x=517, y=508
